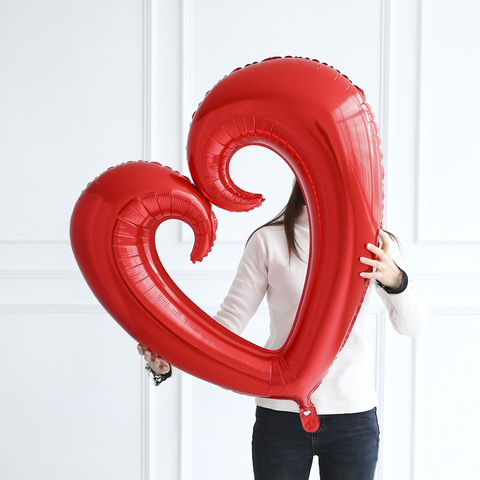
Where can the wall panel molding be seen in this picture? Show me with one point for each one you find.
(149, 153)
(54, 309)
(186, 99)
(384, 113)
(185, 422)
(426, 231)
(422, 154)
(378, 327)
(149, 54)
(441, 350)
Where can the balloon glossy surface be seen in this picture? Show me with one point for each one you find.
(320, 124)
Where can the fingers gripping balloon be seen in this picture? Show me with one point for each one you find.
(319, 123)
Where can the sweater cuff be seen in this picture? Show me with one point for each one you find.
(157, 378)
(400, 288)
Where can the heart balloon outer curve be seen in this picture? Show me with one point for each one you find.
(320, 124)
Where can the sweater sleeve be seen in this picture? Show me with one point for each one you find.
(248, 287)
(406, 310)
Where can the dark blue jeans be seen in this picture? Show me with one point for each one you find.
(346, 445)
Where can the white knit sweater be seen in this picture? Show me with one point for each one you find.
(265, 268)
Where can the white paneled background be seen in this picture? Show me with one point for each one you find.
(88, 84)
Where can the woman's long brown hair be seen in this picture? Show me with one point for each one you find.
(287, 218)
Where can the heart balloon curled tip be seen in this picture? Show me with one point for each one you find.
(287, 57)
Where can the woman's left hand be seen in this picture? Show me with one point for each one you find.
(385, 270)
(157, 364)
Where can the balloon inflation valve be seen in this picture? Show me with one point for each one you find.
(309, 418)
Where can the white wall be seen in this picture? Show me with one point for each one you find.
(86, 85)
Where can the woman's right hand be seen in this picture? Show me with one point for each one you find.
(156, 363)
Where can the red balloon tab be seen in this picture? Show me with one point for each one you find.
(320, 124)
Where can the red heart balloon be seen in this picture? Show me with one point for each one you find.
(319, 122)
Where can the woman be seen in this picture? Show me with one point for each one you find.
(275, 263)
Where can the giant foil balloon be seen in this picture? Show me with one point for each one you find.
(320, 124)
